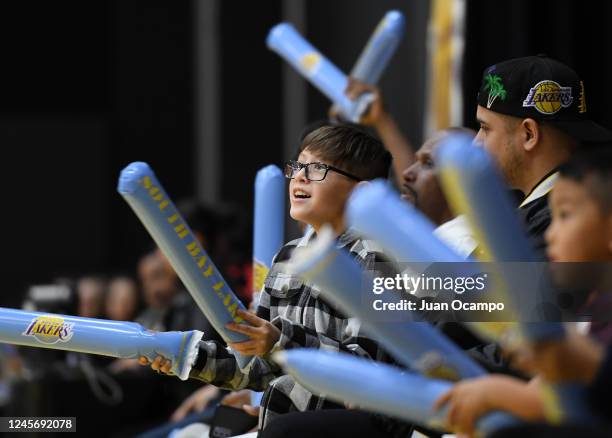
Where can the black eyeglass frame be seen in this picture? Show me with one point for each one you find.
(293, 164)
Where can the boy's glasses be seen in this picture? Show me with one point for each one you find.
(314, 171)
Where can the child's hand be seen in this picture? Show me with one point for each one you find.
(263, 335)
(159, 364)
(196, 402)
(575, 358)
(467, 401)
(241, 400)
(236, 399)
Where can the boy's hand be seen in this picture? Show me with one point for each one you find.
(263, 335)
(236, 399)
(241, 400)
(159, 364)
(196, 402)
(575, 358)
(467, 401)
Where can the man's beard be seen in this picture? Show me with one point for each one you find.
(512, 168)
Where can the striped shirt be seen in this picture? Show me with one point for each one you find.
(305, 320)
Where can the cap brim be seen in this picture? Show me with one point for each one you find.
(585, 131)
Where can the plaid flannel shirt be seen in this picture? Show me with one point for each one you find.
(305, 320)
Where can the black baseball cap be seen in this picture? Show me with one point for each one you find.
(543, 89)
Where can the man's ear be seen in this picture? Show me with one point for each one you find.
(531, 134)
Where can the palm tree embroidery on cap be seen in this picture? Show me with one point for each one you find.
(496, 89)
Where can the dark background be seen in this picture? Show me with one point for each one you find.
(88, 87)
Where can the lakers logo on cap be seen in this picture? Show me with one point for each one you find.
(548, 97)
(49, 330)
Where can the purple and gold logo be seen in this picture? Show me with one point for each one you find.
(50, 330)
(548, 97)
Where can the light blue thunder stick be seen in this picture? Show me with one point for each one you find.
(268, 230)
(143, 192)
(376, 211)
(268, 221)
(417, 345)
(125, 340)
(474, 187)
(317, 69)
(380, 48)
(377, 387)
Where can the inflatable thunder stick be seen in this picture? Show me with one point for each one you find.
(125, 340)
(268, 231)
(318, 70)
(376, 387)
(473, 186)
(143, 192)
(418, 345)
(377, 212)
(268, 223)
(380, 48)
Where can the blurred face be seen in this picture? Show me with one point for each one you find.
(498, 136)
(319, 202)
(159, 282)
(122, 300)
(91, 296)
(579, 231)
(421, 187)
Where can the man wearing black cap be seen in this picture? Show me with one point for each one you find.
(532, 112)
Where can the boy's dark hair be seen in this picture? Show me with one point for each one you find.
(349, 148)
(313, 126)
(592, 167)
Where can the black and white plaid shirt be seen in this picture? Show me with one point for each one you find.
(305, 321)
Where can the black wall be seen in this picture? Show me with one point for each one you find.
(86, 88)
(340, 30)
(575, 32)
(251, 102)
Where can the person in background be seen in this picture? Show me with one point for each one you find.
(123, 298)
(91, 293)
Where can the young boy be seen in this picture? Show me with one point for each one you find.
(331, 162)
(580, 231)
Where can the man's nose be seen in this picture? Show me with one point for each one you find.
(409, 174)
